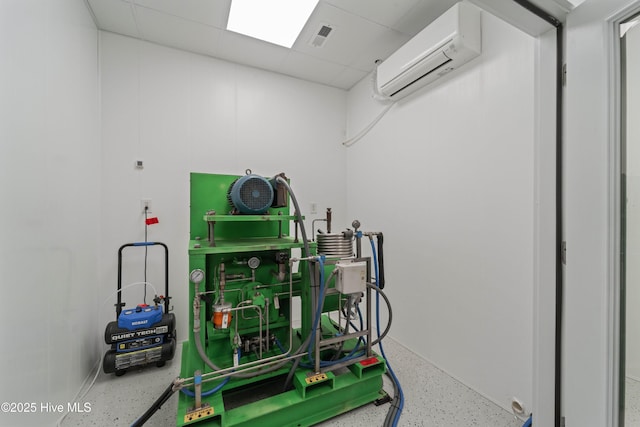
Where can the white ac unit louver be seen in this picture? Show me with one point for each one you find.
(450, 41)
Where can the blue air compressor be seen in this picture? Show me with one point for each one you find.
(142, 335)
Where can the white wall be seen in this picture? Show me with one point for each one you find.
(49, 185)
(448, 176)
(181, 112)
(544, 293)
(633, 204)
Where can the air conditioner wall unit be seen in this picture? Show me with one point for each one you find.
(450, 41)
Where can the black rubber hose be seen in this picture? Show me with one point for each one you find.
(292, 371)
(386, 300)
(393, 409)
(154, 408)
(380, 280)
(298, 213)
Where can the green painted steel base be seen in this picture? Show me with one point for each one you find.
(222, 248)
(309, 403)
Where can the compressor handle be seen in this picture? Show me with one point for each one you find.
(120, 304)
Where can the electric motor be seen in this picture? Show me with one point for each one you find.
(251, 194)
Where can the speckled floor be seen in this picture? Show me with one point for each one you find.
(432, 399)
(632, 403)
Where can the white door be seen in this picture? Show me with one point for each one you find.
(591, 221)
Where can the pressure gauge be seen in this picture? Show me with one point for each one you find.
(254, 262)
(196, 276)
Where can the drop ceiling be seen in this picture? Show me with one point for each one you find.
(362, 31)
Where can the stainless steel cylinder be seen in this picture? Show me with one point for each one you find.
(335, 245)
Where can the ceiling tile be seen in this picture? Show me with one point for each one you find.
(386, 13)
(215, 13)
(514, 14)
(421, 15)
(176, 32)
(246, 50)
(378, 48)
(309, 68)
(351, 35)
(363, 31)
(115, 16)
(348, 77)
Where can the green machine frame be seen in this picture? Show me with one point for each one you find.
(245, 363)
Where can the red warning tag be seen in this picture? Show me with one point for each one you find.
(152, 220)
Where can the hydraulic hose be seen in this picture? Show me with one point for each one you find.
(321, 295)
(303, 230)
(208, 392)
(203, 355)
(398, 399)
(213, 390)
(156, 405)
(258, 371)
(386, 300)
(307, 342)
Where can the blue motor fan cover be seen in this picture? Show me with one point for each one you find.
(251, 194)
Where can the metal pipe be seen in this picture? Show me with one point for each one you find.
(356, 225)
(268, 363)
(256, 307)
(232, 371)
(266, 309)
(349, 362)
(342, 338)
(198, 388)
(313, 227)
(368, 310)
(223, 282)
(272, 285)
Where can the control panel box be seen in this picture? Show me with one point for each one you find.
(351, 277)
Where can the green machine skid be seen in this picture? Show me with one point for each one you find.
(251, 282)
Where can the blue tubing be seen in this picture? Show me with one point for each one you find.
(208, 392)
(393, 375)
(198, 380)
(281, 347)
(529, 422)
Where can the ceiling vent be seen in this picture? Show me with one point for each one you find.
(321, 36)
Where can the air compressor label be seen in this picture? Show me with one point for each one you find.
(139, 333)
(140, 343)
(140, 357)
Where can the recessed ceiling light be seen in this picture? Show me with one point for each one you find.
(275, 21)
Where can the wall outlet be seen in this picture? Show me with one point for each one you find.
(145, 205)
